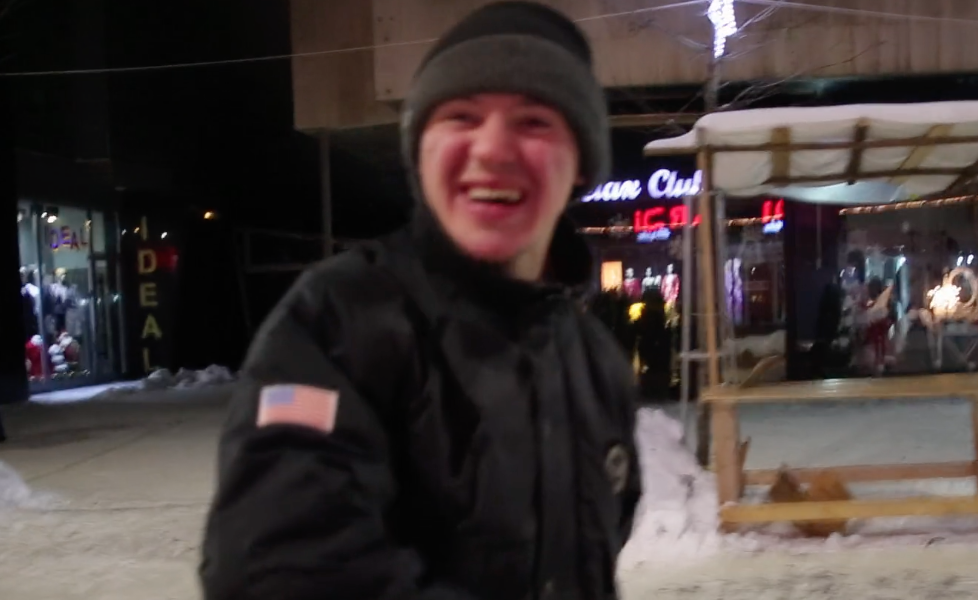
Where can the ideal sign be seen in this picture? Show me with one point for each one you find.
(664, 183)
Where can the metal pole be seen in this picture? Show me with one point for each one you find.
(686, 315)
(326, 193)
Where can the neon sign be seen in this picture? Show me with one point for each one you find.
(664, 183)
(659, 218)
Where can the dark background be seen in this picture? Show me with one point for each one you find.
(172, 143)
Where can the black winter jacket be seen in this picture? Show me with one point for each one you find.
(482, 449)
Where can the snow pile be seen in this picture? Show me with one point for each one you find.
(677, 515)
(163, 379)
(15, 493)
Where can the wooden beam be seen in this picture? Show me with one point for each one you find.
(706, 260)
(967, 174)
(848, 509)
(781, 159)
(841, 177)
(866, 145)
(856, 155)
(974, 431)
(920, 153)
(653, 119)
(922, 387)
(863, 473)
(725, 431)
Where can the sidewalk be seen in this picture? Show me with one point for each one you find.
(137, 475)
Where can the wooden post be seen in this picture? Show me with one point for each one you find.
(726, 440)
(974, 429)
(707, 263)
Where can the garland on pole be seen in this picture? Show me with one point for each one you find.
(721, 14)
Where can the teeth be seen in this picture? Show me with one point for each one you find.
(495, 195)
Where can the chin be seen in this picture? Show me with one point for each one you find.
(493, 248)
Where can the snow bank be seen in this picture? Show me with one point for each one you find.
(15, 493)
(677, 516)
(163, 379)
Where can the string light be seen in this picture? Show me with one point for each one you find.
(721, 14)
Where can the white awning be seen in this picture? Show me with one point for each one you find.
(853, 154)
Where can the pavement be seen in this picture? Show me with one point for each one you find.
(132, 479)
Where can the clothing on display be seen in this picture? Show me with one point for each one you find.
(55, 322)
(670, 286)
(649, 282)
(631, 285)
(734, 284)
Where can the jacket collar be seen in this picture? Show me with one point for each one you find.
(568, 270)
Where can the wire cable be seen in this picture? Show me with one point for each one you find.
(275, 57)
(859, 12)
(651, 9)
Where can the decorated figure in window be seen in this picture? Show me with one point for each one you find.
(670, 286)
(632, 286)
(649, 282)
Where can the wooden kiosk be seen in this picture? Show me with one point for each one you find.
(856, 154)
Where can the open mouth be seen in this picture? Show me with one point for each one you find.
(495, 195)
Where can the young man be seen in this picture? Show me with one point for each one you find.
(431, 416)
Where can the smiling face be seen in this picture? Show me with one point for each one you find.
(497, 170)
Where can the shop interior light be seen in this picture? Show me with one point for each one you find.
(163, 236)
(210, 215)
(50, 214)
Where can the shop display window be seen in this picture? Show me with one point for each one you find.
(60, 249)
(906, 290)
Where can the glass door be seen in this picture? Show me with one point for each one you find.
(106, 316)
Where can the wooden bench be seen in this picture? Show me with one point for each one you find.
(732, 477)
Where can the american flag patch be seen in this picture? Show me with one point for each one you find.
(301, 405)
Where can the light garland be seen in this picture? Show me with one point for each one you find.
(944, 300)
(909, 205)
(721, 14)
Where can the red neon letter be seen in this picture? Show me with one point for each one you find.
(773, 210)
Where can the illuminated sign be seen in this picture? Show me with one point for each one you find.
(664, 183)
(660, 219)
(66, 238)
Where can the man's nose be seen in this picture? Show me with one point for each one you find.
(494, 141)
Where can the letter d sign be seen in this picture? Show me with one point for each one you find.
(147, 261)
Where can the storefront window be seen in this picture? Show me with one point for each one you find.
(63, 258)
(908, 283)
(30, 278)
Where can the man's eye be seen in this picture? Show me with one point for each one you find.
(464, 117)
(536, 123)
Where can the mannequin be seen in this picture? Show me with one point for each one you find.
(735, 290)
(670, 286)
(631, 286)
(648, 283)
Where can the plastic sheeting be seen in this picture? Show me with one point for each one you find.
(747, 173)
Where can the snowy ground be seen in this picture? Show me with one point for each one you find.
(114, 492)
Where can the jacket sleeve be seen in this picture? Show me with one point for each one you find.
(300, 513)
(632, 493)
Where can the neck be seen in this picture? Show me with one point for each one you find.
(529, 266)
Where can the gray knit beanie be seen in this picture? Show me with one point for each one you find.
(514, 47)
